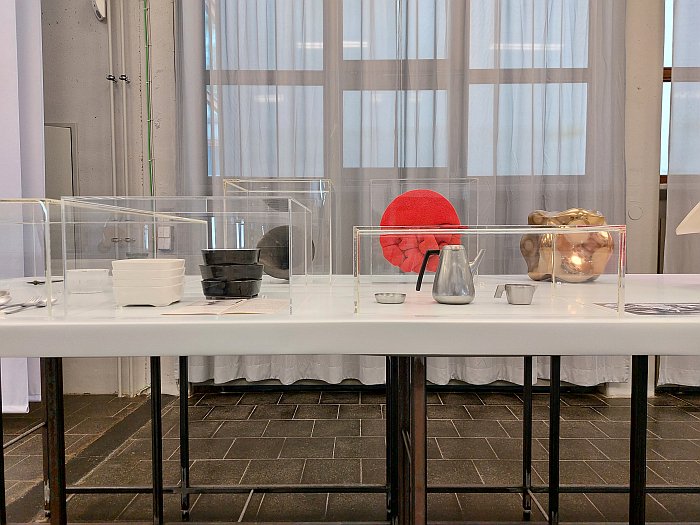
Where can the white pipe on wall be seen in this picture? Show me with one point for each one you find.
(110, 76)
(125, 79)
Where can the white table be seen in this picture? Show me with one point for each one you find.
(323, 322)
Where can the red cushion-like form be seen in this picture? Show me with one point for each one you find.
(418, 208)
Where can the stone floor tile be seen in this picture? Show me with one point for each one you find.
(292, 507)
(540, 429)
(441, 428)
(673, 413)
(140, 508)
(273, 471)
(613, 429)
(97, 507)
(443, 507)
(489, 398)
(465, 448)
(335, 398)
(570, 473)
(360, 447)
(219, 399)
(587, 400)
(345, 471)
(614, 413)
(668, 400)
(579, 429)
(677, 472)
(679, 507)
(574, 508)
(273, 412)
(28, 469)
(509, 448)
(447, 412)
(451, 472)
(373, 471)
(92, 425)
(218, 471)
(141, 448)
(673, 430)
(492, 507)
(317, 412)
(314, 447)
(576, 449)
(433, 450)
(356, 507)
(539, 413)
(618, 472)
(499, 471)
(260, 398)
(233, 429)
(479, 428)
(219, 507)
(300, 398)
(228, 412)
(196, 429)
(491, 412)
(332, 428)
(460, 398)
(674, 449)
(359, 411)
(286, 428)
(372, 427)
(29, 446)
(581, 413)
(214, 448)
(372, 398)
(255, 448)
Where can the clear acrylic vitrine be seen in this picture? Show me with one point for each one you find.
(575, 270)
(316, 195)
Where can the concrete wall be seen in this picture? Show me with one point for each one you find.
(76, 91)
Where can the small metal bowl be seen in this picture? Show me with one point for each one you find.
(390, 298)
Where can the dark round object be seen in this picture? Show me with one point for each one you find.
(274, 252)
(231, 289)
(231, 256)
(231, 272)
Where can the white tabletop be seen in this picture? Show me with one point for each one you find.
(568, 322)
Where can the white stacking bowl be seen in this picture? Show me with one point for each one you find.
(154, 282)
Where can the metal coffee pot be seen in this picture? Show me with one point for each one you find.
(454, 278)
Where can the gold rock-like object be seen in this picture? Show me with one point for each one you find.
(577, 257)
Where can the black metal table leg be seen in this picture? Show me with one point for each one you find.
(638, 440)
(403, 486)
(3, 509)
(393, 437)
(156, 442)
(527, 438)
(419, 443)
(52, 390)
(184, 438)
(554, 404)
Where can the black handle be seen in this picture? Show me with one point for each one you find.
(422, 266)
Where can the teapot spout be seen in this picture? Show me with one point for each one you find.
(474, 265)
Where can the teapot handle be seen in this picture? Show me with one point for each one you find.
(422, 266)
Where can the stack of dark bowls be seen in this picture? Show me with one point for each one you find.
(231, 274)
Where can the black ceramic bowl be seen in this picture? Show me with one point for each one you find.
(231, 289)
(232, 256)
(231, 272)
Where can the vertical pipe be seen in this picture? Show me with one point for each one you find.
(110, 75)
(554, 403)
(184, 438)
(156, 442)
(52, 389)
(527, 438)
(149, 108)
(419, 442)
(124, 77)
(638, 440)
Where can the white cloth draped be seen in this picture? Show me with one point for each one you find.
(513, 93)
(682, 253)
(21, 160)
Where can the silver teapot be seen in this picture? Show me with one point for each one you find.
(454, 277)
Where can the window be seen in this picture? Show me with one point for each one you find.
(307, 88)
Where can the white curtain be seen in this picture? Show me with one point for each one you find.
(682, 253)
(525, 95)
(21, 158)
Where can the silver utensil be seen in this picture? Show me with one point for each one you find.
(516, 293)
(34, 302)
(390, 298)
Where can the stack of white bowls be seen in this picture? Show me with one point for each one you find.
(155, 282)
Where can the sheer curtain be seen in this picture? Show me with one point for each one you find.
(525, 95)
(682, 253)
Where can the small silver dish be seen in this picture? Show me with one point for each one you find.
(390, 298)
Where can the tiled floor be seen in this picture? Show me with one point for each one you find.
(338, 437)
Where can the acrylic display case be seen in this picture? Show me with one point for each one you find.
(315, 194)
(181, 227)
(576, 270)
(31, 267)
